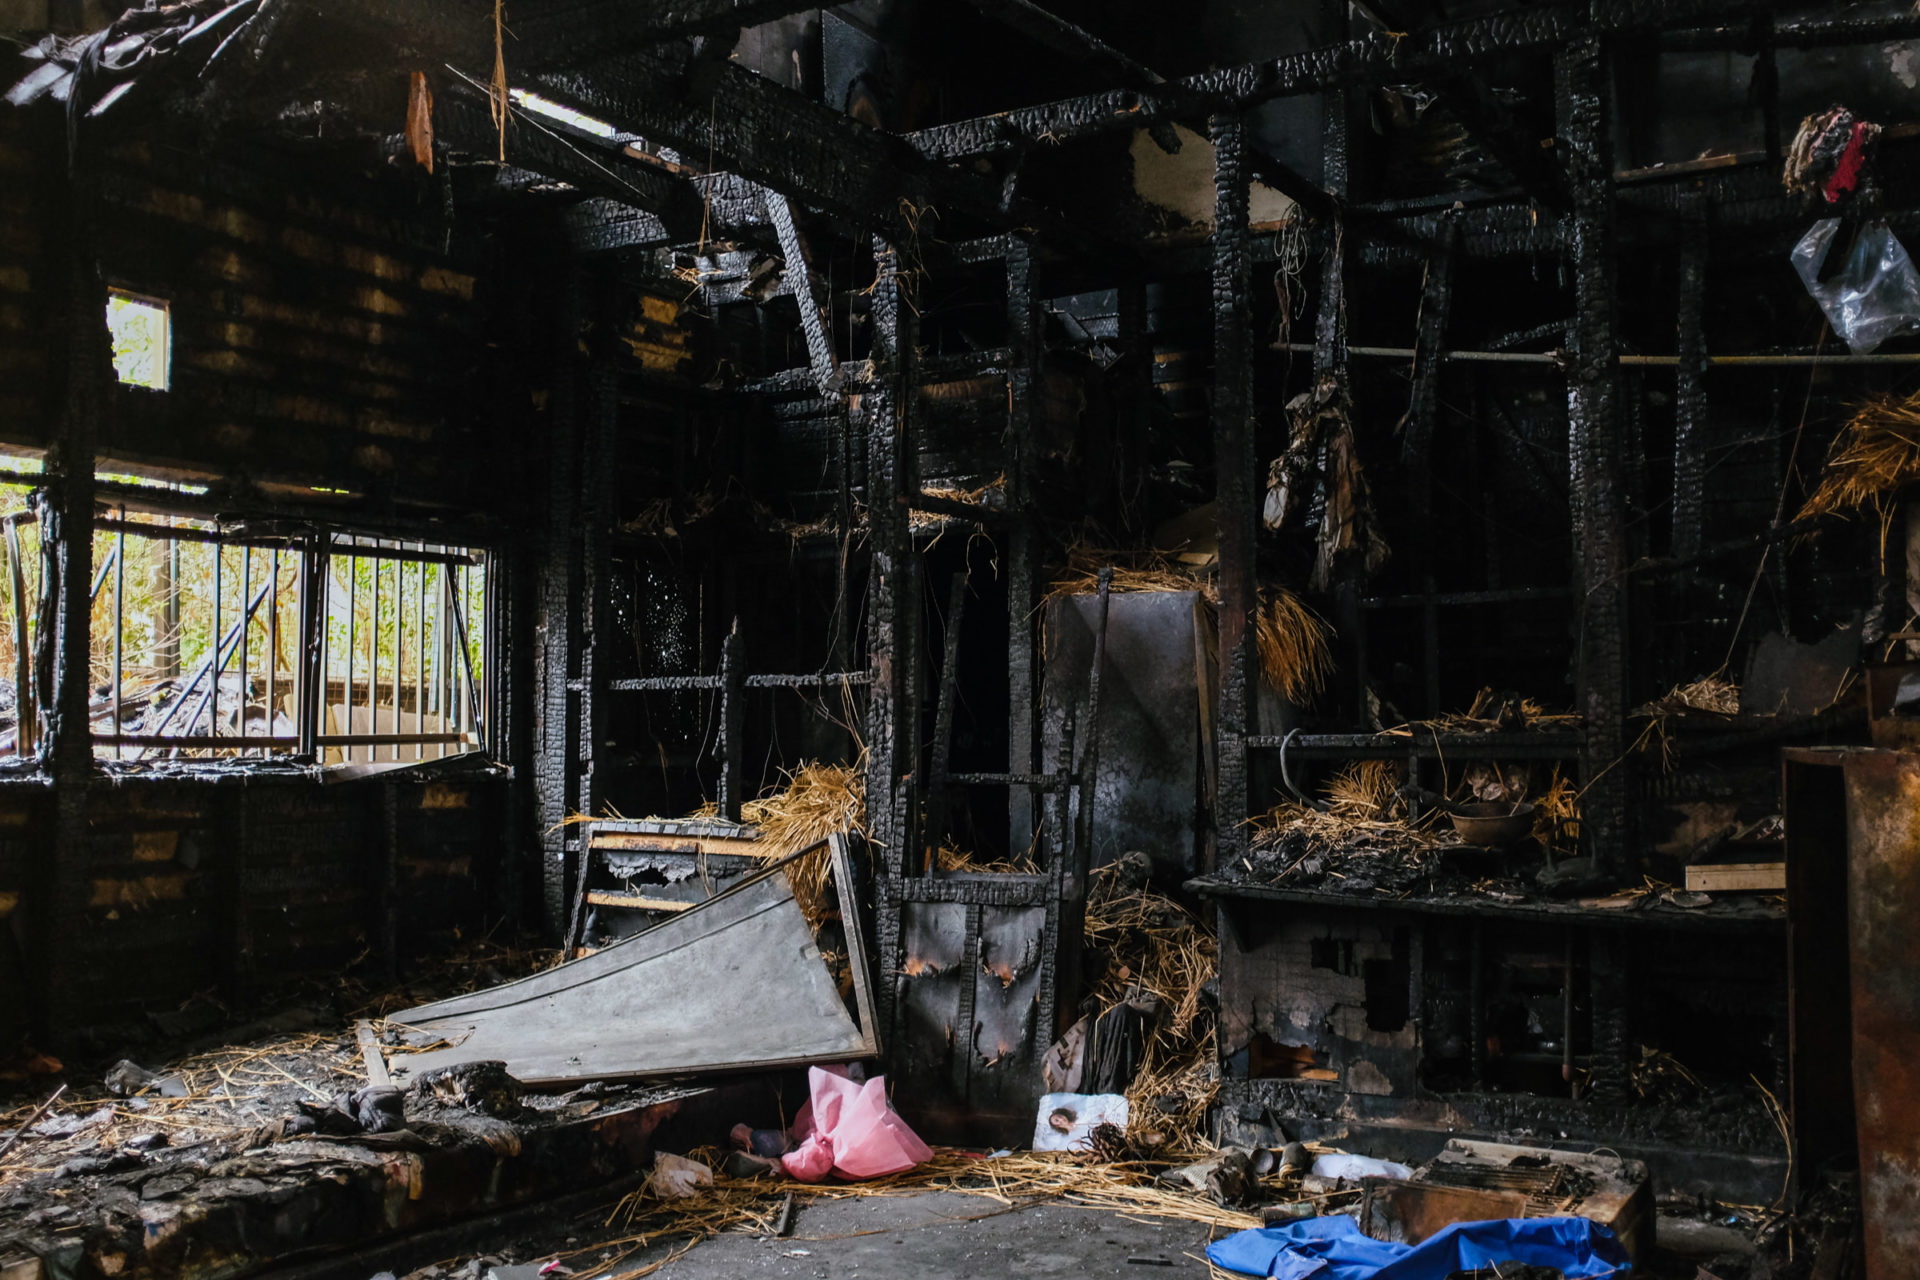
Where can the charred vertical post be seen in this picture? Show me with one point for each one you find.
(1593, 420)
(595, 505)
(1233, 478)
(1416, 440)
(892, 594)
(733, 722)
(1023, 404)
(1690, 403)
(554, 658)
(66, 533)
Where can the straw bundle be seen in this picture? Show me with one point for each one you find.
(1713, 693)
(1876, 455)
(924, 521)
(1294, 645)
(817, 800)
(1554, 809)
(1157, 947)
(949, 857)
(1138, 569)
(1365, 790)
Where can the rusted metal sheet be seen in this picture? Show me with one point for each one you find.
(1409, 1212)
(1883, 890)
(735, 982)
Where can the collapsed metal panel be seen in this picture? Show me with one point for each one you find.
(736, 982)
(1883, 892)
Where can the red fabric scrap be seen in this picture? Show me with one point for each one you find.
(1846, 174)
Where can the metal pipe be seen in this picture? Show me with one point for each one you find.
(213, 701)
(246, 625)
(353, 637)
(420, 663)
(399, 643)
(1654, 361)
(119, 623)
(373, 659)
(273, 640)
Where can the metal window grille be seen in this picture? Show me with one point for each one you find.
(220, 643)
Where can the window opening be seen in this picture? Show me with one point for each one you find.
(404, 651)
(198, 649)
(142, 333)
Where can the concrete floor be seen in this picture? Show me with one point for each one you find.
(941, 1234)
(945, 1234)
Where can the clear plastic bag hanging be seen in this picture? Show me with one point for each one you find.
(1875, 295)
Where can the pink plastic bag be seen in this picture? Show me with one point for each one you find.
(850, 1130)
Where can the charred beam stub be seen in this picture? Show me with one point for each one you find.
(1233, 476)
(1593, 415)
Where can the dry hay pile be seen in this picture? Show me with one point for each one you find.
(1875, 456)
(1293, 643)
(1556, 813)
(1714, 694)
(1492, 711)
(928, 521)
(817, 801)
(1157, 947)
(1367, 791)
(950, 857)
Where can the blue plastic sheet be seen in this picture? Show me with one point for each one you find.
(1332, 1248)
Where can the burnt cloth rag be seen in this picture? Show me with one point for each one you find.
(1332, 1248)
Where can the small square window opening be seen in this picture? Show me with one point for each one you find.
(142, 337)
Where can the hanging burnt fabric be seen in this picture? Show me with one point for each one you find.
(735, 982)
(1830, 154)
(420, 121)
(1322, 461)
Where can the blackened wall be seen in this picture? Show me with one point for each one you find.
(336, 351)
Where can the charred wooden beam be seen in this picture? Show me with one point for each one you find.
(1233, 462)
(1690, 398)
(461, 119)
(1594, 447)
(1024, 408)
(554, 724)
(1436, 52)
(815, 320)
(770, 135)
(1416, 441)
(1044, 27)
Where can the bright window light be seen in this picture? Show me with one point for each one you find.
(565, 115)
(141, 331)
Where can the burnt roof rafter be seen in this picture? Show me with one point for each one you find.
(1443, 50)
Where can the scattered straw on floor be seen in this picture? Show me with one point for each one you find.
(1007, 1183)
